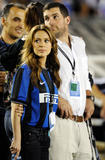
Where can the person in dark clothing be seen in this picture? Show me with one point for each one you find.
(12, 29)
(35, 87)
(10, 56)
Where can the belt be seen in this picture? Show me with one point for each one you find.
(78, 118)
(74, 118)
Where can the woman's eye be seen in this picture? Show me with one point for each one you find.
(37, 41)
(46, 40)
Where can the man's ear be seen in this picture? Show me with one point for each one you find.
(68, 19)
(3, 21)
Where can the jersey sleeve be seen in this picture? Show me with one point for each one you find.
(21, 87)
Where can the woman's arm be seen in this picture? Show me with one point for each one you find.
(16, 125)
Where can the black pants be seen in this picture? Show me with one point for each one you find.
(4, 142)
(35, 144)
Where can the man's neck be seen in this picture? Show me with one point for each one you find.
(66, 39)
(7, 39)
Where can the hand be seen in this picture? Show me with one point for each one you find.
(89, 109)
(15, 148)
(19, 110)
(65, 108)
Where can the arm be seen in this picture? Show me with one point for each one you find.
(16, 125)
(89, 109)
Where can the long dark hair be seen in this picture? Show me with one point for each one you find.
(33, 15)
(52, 62)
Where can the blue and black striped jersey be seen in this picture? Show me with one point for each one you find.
(37, 102)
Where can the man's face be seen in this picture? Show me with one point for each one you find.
(55, 21)
(13, 24)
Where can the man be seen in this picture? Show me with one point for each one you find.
(12, 23)
(12, 26)
(12, 29)
(58, 21)
(70, 138)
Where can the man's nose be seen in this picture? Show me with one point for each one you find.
(51, 21)
(21, 24)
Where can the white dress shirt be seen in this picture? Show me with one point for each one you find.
(76, 52)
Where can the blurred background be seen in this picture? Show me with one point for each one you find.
(88, 22)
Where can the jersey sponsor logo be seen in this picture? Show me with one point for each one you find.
(48, 98)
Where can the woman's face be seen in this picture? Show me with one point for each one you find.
(41, 44)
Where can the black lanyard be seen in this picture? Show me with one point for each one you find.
(72, 65)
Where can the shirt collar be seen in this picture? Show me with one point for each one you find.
(3, 43)
(64, 43)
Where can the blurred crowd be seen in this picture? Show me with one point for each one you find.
(78, 7)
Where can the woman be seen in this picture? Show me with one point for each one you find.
(11, 58)
(35, 87)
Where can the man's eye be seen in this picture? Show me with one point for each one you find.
(46, 18)
(16, 19)
(55, 17)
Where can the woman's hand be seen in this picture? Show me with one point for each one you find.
(15, 148)
(16, 125)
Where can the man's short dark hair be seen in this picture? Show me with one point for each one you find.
(7, 8)
(61, 7)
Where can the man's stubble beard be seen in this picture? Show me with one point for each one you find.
(14, 37)
(60, 33)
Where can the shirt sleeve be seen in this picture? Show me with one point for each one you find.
(21, 87)
(86, 71)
